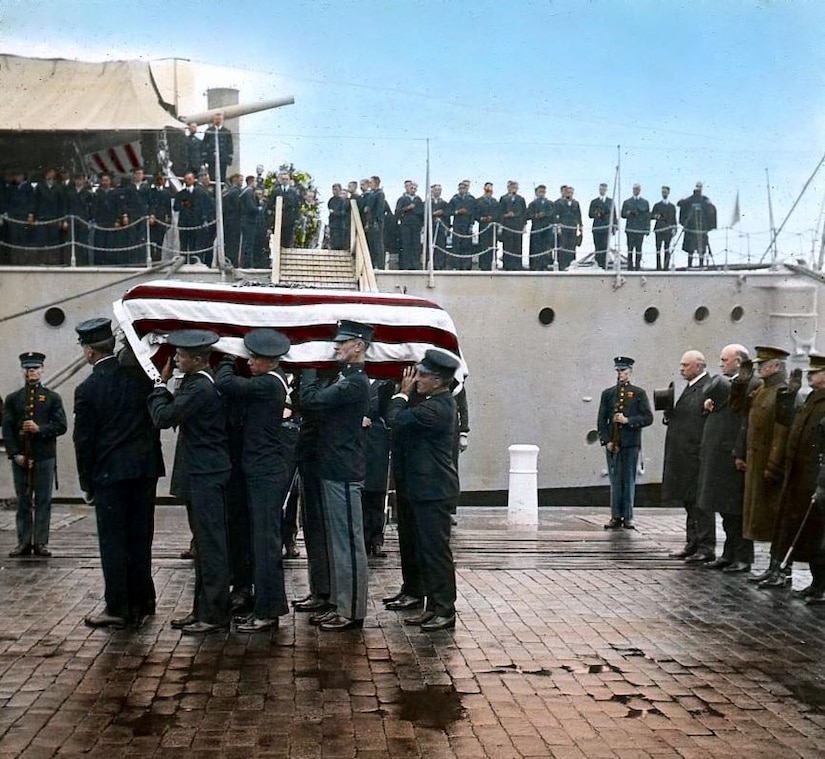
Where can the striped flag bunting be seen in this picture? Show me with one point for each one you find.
(405, 325)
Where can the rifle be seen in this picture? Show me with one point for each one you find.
(27, 444)
(618, 408)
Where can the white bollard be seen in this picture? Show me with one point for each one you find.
(523, 494)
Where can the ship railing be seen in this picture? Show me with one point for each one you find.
(364, 272)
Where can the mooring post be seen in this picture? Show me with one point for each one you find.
(523, 495)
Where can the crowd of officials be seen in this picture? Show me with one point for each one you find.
(743, 444)
(249, 437)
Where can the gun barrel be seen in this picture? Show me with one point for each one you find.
(235, 111)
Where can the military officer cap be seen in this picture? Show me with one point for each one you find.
(32, 359)
(663, 399)
(623, 362)
(94, 330)
(816, 363)
(195, 340)
(265, 342)
(349, 330)
(766, 353)
(438, 362)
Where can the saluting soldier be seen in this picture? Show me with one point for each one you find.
(430, 482)
(200, 473)
(266, 464)
(623, 411)
(118, 464)
(32, 421)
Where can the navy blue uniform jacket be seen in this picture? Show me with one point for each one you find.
(342, 407)
(636, 409)
(427, 428)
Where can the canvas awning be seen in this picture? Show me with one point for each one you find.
(58, 95)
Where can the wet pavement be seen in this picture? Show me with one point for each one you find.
(571, 643)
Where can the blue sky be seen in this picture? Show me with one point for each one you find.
(542, 92)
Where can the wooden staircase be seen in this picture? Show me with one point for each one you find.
(318, 268)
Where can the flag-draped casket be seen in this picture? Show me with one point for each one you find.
(405, 326)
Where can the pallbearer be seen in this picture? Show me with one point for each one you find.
(118, 465)
(623, 411)
(266, 463)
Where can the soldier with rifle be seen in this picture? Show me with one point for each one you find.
(623, 411)
(34, 418)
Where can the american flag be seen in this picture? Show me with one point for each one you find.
(118, 159)
(405, 326)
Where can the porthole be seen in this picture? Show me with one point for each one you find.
(651, 314)
(546, 316)
(701, 313)
(54, 316)
(592, 437)
(736, 314)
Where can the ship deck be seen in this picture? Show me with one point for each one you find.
(571, 642)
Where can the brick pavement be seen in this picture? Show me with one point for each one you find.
(571, 643)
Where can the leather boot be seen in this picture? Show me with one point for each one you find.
(773, 567)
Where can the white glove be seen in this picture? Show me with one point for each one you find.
(463, 442)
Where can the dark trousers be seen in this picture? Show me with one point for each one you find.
(375, 242)
(432, 531)
(411, 580)
(462, 258)
(372, 507)
(207, 503)
(125, 514)
(190, 240)
(700, 529)
(541, 249)
(567, 248)
(439, 246)
(315, 530)
(232, 239)
(601, 241)
(621, 469)
(339, 237)
(486, 246)
(238, 533)
(410, 246)
(634, 250)
(157, 233)
(265, 495)
(737, 548)
(33, 528)
(345, 543)
(511, 242)
(663, 250)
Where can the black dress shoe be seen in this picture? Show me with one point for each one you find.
(255, 625)
(762, 576)
(817, 598)
(314, 605)
(419, 619)
(737, 566)
(180, 622)
(41, 550)
(202, 628)
(614, 524)
(378, 552)
(719, 563)
(439, 623)
(683, 554)
(777, 580)
(629, 524)
(319, 619)
(104, 619)
(699, 558)
(339, 624)
(811, 590)
(387, 599)
(20, 550)
(302, 599)
(405, 602)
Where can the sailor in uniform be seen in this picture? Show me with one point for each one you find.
(623, 411)
(201, 472)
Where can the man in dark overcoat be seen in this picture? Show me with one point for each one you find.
(604, 224)
(636, 211)
(409, 215)
(118, 464)
(569, 220)
(680, 478)
(697, 215)
(488, 213)
(542, 214)
(192, 204)
(623, 411)
(266, 464)
(663, 214)
(463, 211)
(512, 209)
(431, 478)
(290, 210)
(339, 225)
(721, 484)
(217, 133)
(201, 472)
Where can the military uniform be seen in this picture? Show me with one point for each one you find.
(409, 214)
(626, 439)
(488, 214)
(441, 224)
(192, 205)
(33, 477)
(697, 215)
(542, 212)
(569, 219)
(118, 464)
(512, 229)
(636, 210)
(266, 464)
(463, 211)
(339, 225)
(223, 136)
(289, 214)
(664, 227)
(601, 211)
(200, 476)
